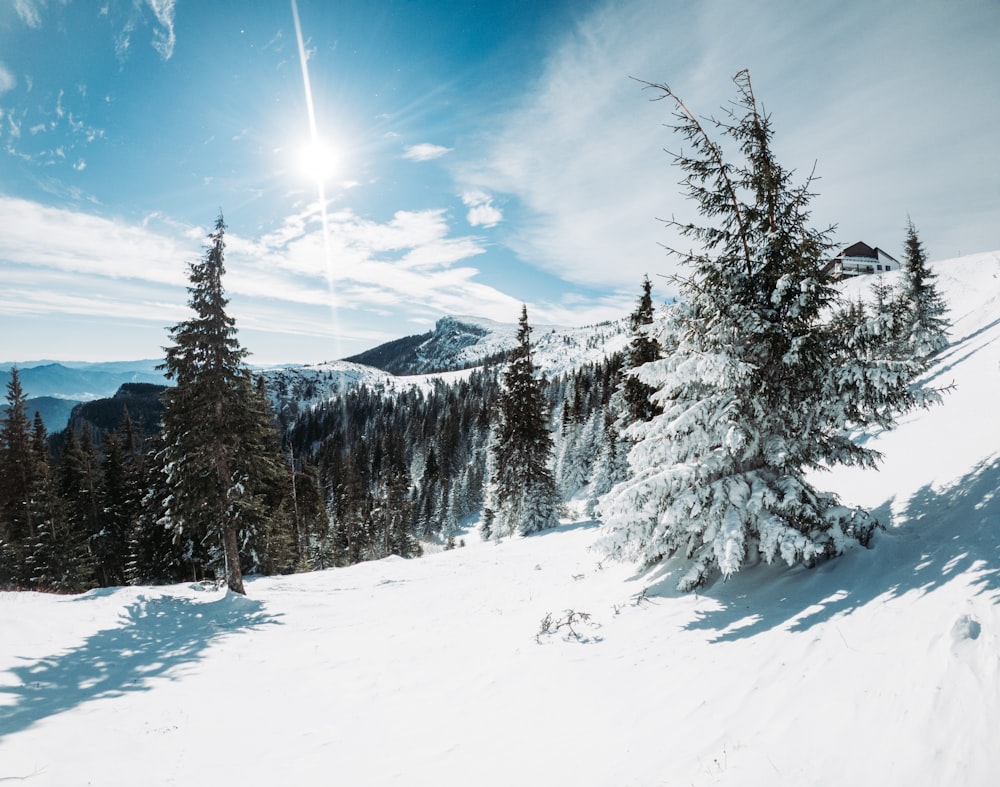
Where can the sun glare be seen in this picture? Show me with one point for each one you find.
(318, 161)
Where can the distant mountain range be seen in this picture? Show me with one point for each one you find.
(80, 381)
(54, 388)
(456, 344)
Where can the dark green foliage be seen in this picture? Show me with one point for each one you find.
(141, 403)
(155, 555)
(395, 357)
(525, 499)
(924, 313)
(643, 348)
(395, 468)
(17, 466)
(220, 449)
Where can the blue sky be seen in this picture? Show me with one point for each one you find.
(478, 155)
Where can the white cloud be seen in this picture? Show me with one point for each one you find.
(484, 216)
(42, 237)
(410, 262)
(482, 211)
(165, 38)
(7, 80)
(123, 42)
(30, 11)
(425, 152)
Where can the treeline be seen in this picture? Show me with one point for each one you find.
(367, 474)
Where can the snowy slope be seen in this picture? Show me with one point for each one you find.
(879, 668)
(555, 349)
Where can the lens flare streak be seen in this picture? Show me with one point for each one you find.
(320, 181)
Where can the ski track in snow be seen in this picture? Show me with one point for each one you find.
(880, 667)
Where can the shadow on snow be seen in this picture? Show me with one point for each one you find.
(567, 527)
(942, 534)
(155, 638)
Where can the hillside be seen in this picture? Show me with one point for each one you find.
(534, 662)
(464, 342)
(54, 410)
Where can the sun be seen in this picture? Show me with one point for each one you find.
(318, 161)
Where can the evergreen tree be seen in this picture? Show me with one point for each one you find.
(17, 529)
(925, 326)
(80, 481)
(59, 560)
(220, 448)
(610, 463)
(644, 348)
(158, 554)
(110, 543)
(524, 492)
(760, 388)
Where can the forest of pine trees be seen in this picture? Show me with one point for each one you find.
(693, 442)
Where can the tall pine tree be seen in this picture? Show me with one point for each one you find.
(220, 448)
(17, 528)
(760, 388)
(524, 491)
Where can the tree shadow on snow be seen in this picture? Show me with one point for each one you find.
(941, 535)
(156, 638)
(567, 527)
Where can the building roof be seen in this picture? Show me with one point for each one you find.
(860, 249)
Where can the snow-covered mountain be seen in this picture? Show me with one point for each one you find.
(453, 348)
(461, 342)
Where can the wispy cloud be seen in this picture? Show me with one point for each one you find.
(425, 151)
(60, 261)
(30, 11)
(43, 237)
(164, 37)
(577, 155)
(123, 41)
(7, 80)
(409, 262)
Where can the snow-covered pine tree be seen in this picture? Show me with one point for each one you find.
(642, 349)
(925, 327)
(610, 462)
(759, 388)
(157, 555)
(524, 493)
(573, 459)
(220, 449)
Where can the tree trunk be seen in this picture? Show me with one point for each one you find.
(234, 576)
